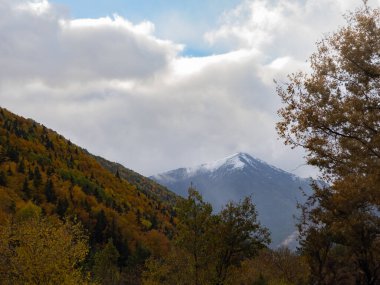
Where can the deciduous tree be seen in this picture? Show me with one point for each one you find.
(238, 235)
(38, 250)
(208, 245)
(334, 114)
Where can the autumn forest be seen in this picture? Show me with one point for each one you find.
(69, 217)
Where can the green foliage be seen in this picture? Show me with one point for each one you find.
(208, 245)
(173, 269)
(260, 281)
(105, 269)
(148, 187)
(238, 236)
(29, 211)
(277, 267)
(194, 232)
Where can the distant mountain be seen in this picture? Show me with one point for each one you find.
(275, 192)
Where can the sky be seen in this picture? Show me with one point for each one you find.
(161, 84)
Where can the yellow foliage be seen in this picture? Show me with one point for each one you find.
(37, 250)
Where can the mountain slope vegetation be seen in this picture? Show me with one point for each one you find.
(148, 186)
(40, 166)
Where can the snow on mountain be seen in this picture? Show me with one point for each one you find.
(235, 162)
(275, 191)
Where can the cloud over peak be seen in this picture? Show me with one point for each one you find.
(117, 89)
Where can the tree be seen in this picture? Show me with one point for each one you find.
(3, 178)
(105, 267)
(280, 266)
(195, 218)
(238, 236)
(100, 226)
(39, 250)
(208, 245)
(340, 236)
(21, 166)
(3, 155)
(170, 270)
(49, 192)
(117, 175)
(62, 207)
(25, 188)
(13, 154)
(334, 114)
(37, 178)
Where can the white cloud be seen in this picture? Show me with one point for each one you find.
(38, 7)
(116, 89)
(280, 27)
(45, 46)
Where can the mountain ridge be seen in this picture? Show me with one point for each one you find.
(238, 160)
(275, 191)
(40, 166)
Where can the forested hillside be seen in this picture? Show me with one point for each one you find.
(148, 186)
(40, 166)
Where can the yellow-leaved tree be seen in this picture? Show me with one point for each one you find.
(40, 250)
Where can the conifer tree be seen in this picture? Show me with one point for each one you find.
(3, 178)
(106, 270)
(37, 178)
(21, 166)
(49, 192)
(25, 188)
(101, 224)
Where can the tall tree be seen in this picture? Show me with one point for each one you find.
(195, 218)
(105, 267)
(37, 178)
(50, 192)
(334, 114)
(100, 226)
(208, 245)
(238, 236)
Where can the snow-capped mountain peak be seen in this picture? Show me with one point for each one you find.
(236, 161)
(275, 191)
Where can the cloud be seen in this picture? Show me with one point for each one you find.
(118, 90)
(39, 43)
(279, 27)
